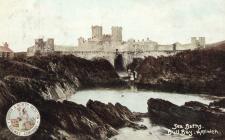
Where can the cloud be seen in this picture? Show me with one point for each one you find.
(161, 20)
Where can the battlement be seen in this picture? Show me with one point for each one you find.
(116, 34)
(98, 38)
(96, 32)
(200, 42)
(41, 46)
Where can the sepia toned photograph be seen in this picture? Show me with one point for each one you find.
(112, 70)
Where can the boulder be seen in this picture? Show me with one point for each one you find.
(218, 103)
(116, 115)
(197, 71)
(192, 113)
(44, 81)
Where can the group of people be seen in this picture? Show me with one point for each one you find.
(132, 75)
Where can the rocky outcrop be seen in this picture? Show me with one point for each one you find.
(76, 120)
(68, 120)
(218, 103)
(46, 80)
(117, 116)
(191, 114)
(135, 64)
(216, 46)
(55, 77)
(198, 71)
(6, 100)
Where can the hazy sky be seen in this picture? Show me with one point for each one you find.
(165, 21)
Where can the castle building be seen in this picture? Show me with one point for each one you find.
(200, 42)
(97, 32)
(116, 34)
(5, 51)
(41, 47)
(98, 38)
(111, 46)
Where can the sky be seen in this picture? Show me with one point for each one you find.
(164, 21)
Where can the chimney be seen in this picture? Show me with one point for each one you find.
(6, 45)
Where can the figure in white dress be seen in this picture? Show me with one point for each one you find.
(24, 118)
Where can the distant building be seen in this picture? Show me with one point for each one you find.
(96, 32)
(113, 48)
(5, 51)
(41, 47)
(116, 34)
(98, 38)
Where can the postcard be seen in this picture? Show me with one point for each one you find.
(112, 70)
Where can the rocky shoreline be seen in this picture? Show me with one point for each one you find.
(198, 71)
(193, 118)
(68, 120)
(44, 80)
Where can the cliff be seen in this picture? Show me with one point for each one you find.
(43, 81)
(198, 71)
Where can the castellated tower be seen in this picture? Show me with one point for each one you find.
(96, 32)
(50, 44)
(202, 41)
(198, 43)
(194, 40)
(116, 34)
(81, 41)
(39, 43)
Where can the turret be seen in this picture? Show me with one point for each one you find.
(194, 40)
(81, 41)
(6, 45)
(96, 32)
(39, 43)
(50, 44)
(201, 41)
(116, 34)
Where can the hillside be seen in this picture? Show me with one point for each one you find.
(216, 46)
(198, 71)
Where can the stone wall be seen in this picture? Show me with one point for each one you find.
(129, 50)
(128, 56)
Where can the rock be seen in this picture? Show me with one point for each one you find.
(141, 115)
(55, 77)
(196, 105)
(197, 71)
(67, 120)
(74, 119)
(219, 103)
(168, 114)
(116, 115)
(135, 64)
(6, 100)
(44, 81)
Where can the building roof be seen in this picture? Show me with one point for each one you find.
(5, 49)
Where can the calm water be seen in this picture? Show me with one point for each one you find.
(134, 100)
(137, 101)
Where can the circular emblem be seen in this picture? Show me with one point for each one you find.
(23, 119)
